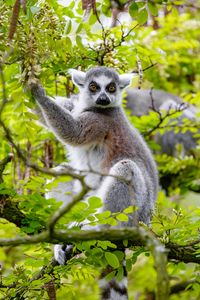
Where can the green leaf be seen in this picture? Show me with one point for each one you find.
(120, 274)
(103, 215)
(125, 243)
(68, 43)
(128, 265)
(109, 221)
(30, 115)
(92, 19)
(91, 218)
(136, 254)
(119, 254)
(69, 27)
(142, 16)
(79, 42)
(129, 209)
(80, 26)
(105, 244)
(122, 217)
(95, 202)
(153, 8)
(112, 260)
(88, 244)
(110, 276)
(133, 10)
(34, 262)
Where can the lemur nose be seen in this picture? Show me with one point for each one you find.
(103, 100)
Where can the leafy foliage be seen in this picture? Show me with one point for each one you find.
(49, 39)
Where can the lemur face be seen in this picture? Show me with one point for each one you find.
(101, 86)
(103, 91)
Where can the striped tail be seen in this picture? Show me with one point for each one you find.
(113, 289)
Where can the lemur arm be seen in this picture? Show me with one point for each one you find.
(66, 103)
(69, 130)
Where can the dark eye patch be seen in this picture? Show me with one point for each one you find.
(94, 87)
(111, 87)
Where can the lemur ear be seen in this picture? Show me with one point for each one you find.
(78, 77)
(125, 79)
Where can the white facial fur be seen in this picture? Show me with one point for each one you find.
(89, 99)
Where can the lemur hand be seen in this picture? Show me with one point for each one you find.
(37, 90)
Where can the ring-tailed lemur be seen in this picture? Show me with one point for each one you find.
(99, 137)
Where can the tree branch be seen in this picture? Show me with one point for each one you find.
(4, 101)
(181, 286)
(3, 164)
(185, 253)
(161, 117)
(137, 236)
(9, 210)
(14, 19)
(66, 208)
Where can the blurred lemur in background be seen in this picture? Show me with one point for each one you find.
(99, 138)
(140, 102)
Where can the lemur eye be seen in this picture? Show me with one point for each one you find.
(111, 88)
(93, 87)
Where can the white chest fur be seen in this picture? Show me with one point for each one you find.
(88, 158)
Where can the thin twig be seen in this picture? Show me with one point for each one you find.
(161, 117)
(3, 89)
(67, 207)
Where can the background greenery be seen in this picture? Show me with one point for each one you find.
(44, 41)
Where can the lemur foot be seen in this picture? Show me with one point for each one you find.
(62, 253)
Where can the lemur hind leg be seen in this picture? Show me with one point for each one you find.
(124, 187)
